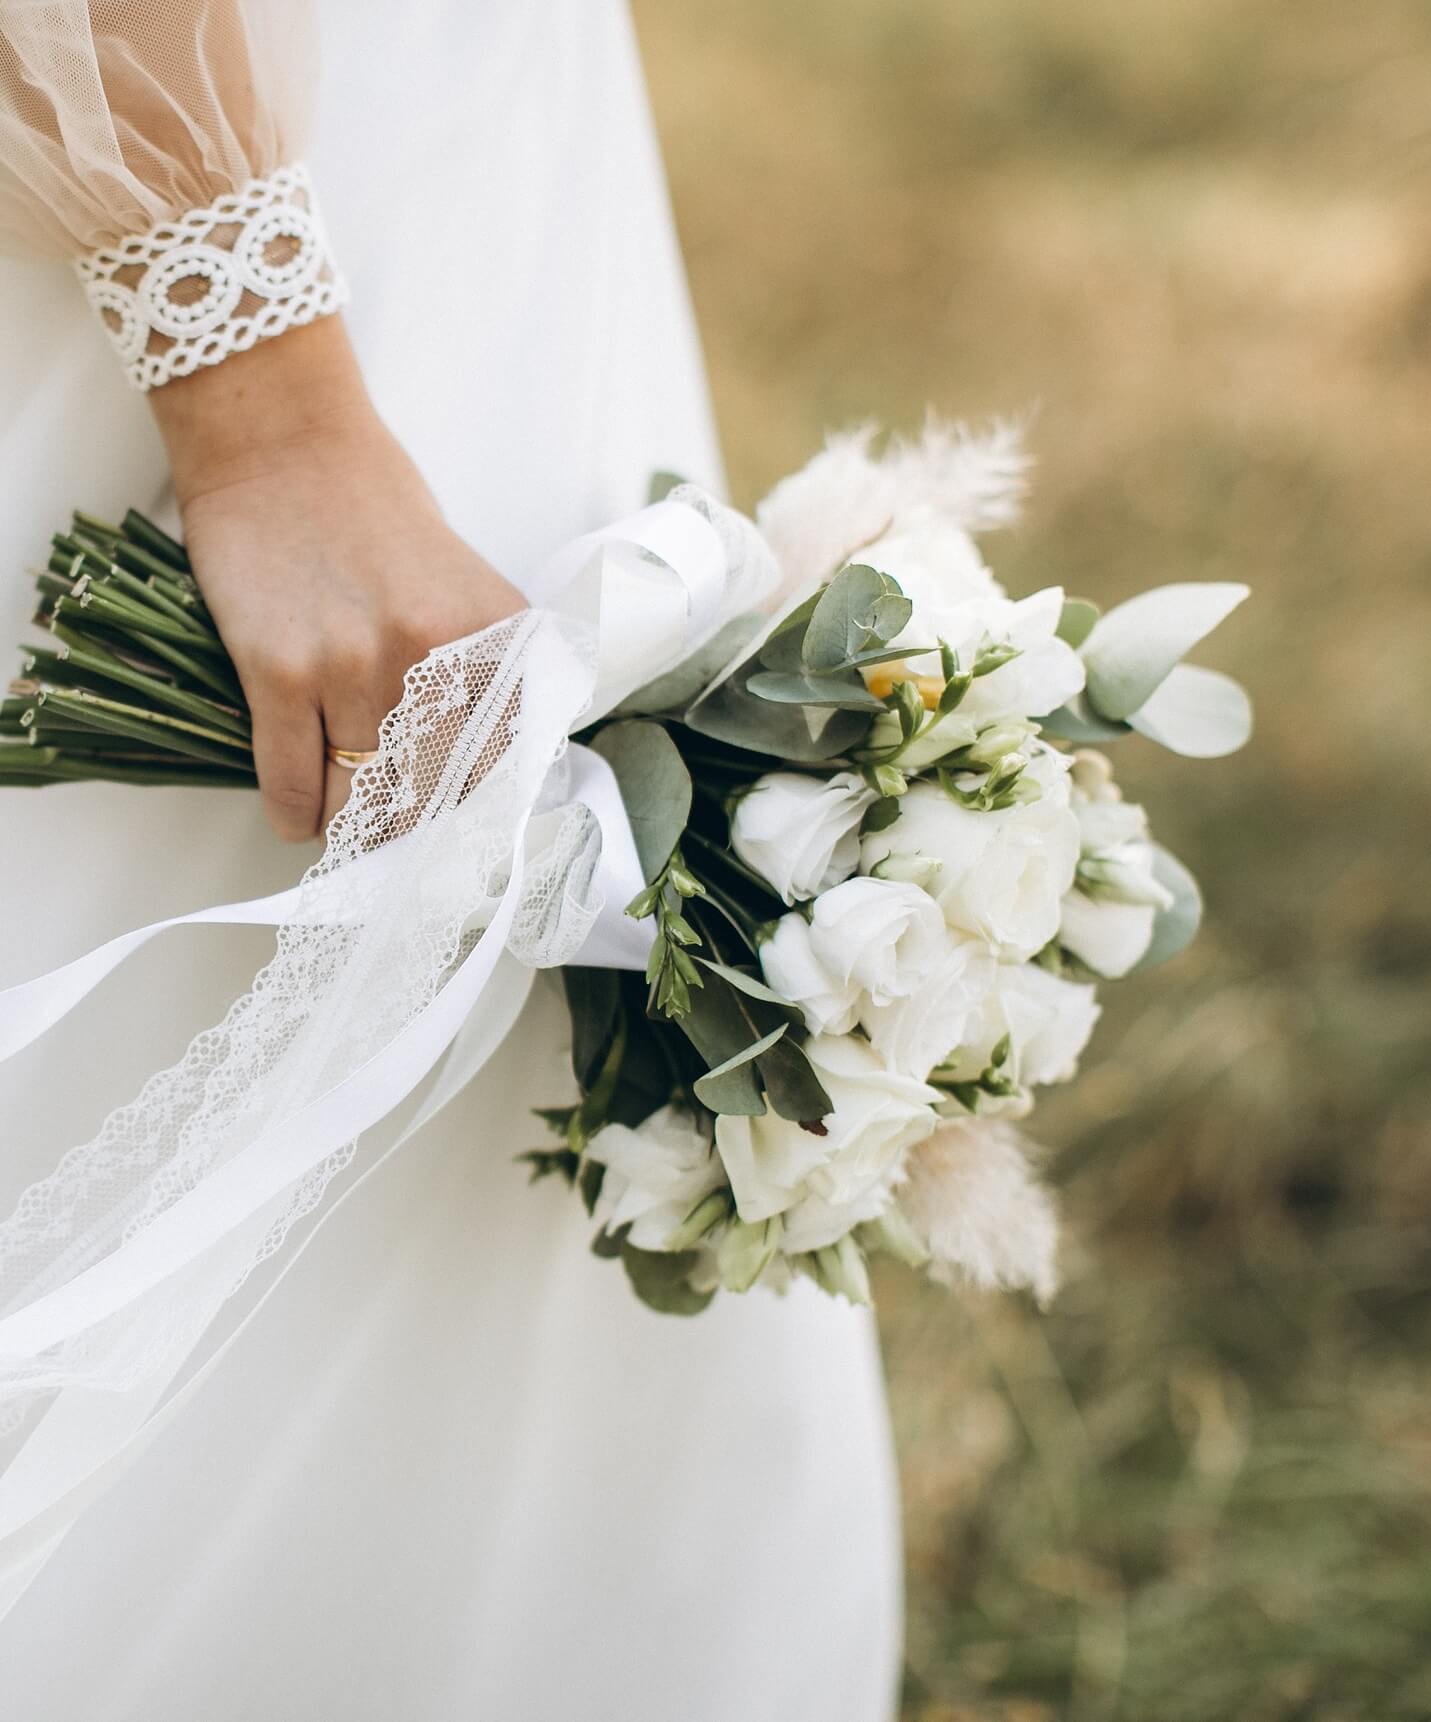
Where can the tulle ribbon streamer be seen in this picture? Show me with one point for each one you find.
(104, 1323)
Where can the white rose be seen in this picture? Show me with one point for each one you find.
(1108, 917)
(950, 1010)
(1002, 875)
(773, 1163)
(866, 939)
(655, 1174)
(801, 833)
(830, 1003)
(878, 933)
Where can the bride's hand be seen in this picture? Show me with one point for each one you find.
(322, 555)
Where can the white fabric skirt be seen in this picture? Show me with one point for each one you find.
(452, 1469)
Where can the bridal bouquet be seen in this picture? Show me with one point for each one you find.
(884, 871)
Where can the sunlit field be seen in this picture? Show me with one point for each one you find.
(1192, 239)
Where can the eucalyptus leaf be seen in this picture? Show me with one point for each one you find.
(655, 787)
(723, 1083)
(1200, 713)
(842, 693)
(752, 988)
(662, 1279)
(1077, 721)
(791, 1086)
(1173, 927)
(661, 486)
(1076, 622)
(675, 690)
(593, 998)
(1131, 650)
(719, 1030)
(859, 611)
(800, 734)
(782, 647)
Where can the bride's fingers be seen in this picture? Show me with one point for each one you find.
(352, 713)
(288, 755)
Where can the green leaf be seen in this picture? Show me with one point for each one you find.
(1130, 651)
(674, 691)
(791, 1086)
(892, 655)
(550, 1162)
(1077, 721)
(1174, 927)
(593, 998)
(655, 786)
(1200, 713)
(589, 1182)
(882, 814)
(804, 735)
(661, 486)
(718, 1029)
(846, 693)
(661, 1279)
(1076, 622)
(724, 1083)
(860, 610)
(781, 649)
(608, 1245)
(752, 988)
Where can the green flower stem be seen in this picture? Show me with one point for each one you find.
(139, 529)
(119, 610)
(106, 666)
(734, 862)
(25, 767)
(156, 728)
(213, 677)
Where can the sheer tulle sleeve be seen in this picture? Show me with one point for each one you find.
(156, 142)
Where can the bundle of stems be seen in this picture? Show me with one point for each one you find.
(133, 684)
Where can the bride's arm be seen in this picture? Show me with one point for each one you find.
(132, 136)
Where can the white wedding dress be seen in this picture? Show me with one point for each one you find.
(452, 1469)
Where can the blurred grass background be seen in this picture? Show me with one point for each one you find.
(1195, 234)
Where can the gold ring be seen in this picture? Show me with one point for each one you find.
(349, 758)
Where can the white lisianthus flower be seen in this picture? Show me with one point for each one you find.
(774, 1164)
(1044, 673)
(801, 833)
(1001, 875)
(953, 1008)
(938, 739)
(866, 940)
(1108, 917)
(655, 1175)
(973, 1202)
(1048, 1020)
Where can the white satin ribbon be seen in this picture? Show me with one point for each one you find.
(654, 587)
(32, 1007)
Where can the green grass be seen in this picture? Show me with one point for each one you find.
(1193, 232)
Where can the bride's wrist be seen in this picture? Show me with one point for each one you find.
(235, 421)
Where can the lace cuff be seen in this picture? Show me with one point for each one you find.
(216, 281)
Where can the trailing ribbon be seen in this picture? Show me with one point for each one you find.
(108, 1316)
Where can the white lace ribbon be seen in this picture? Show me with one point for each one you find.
(474, 815)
